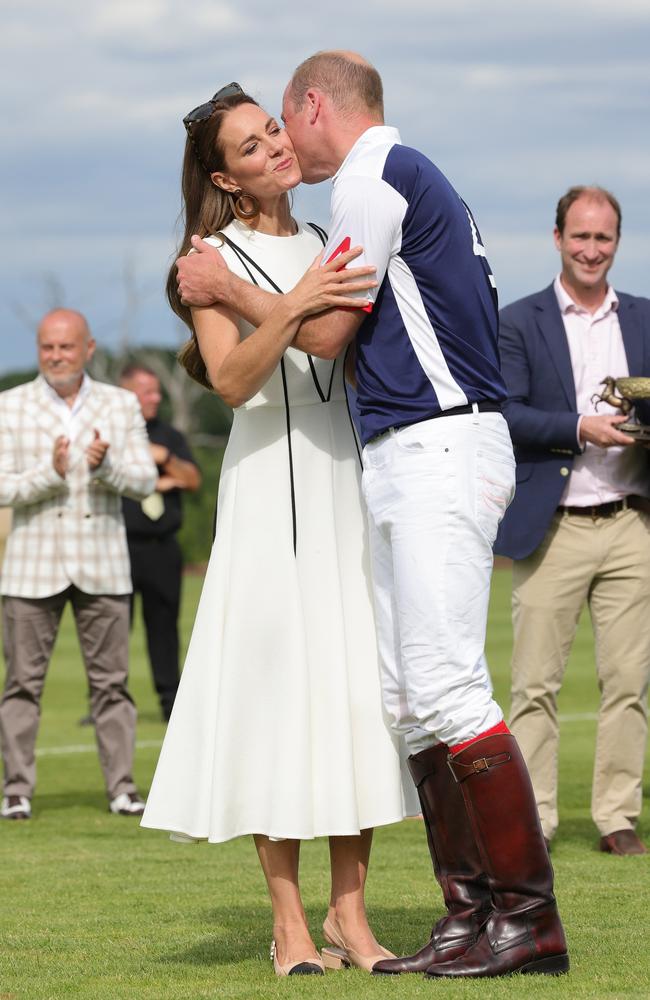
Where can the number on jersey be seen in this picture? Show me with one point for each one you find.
(477, 246)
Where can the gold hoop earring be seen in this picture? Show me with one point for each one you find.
(244, 206)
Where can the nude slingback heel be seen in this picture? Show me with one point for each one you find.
(338, 955)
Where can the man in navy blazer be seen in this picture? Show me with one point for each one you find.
(578, 528)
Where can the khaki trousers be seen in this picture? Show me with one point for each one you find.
(30, 627)
(606, 564)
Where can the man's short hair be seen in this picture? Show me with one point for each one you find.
(134, 368)
(587, 191)
(350, 83)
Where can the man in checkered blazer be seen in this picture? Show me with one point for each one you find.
(69, 448)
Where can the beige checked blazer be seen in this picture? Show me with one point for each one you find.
(69, 531)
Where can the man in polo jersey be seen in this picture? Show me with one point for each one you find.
(438, 476)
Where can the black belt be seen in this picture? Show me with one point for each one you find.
(485, 406)
(610, 508)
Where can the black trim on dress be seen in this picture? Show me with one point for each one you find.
(322, 235)
(347, 404)
(243, 257)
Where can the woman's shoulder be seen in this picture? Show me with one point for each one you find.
(226, 237)
(243, 249)
(239, 233)
(231, 230)
(217, 240)
(313, 229)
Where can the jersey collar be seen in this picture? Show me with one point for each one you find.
(376, 135)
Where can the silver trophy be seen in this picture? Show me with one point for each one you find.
(631, 389)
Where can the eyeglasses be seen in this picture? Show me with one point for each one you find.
(205, 111)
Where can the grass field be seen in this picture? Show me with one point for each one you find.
(91, 906)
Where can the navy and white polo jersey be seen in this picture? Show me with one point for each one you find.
(429, 342)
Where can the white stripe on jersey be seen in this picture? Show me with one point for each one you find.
(422, 335)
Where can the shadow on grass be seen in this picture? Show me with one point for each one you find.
(580, 833)
(245, 934)
(576, 832)
(83, 799)
(150, 715)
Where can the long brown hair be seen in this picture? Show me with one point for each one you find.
(205, 210)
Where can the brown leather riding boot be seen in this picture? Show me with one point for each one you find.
(524, 932)
(456, 864)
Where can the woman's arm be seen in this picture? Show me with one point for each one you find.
(204, 280)
(239, 368)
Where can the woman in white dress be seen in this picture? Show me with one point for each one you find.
(277, 729)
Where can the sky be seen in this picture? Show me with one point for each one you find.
(514, 101)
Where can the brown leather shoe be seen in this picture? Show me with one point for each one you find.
(524, 932)
(456, 863)
(622, 842)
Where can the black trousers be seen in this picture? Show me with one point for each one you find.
(156, 569)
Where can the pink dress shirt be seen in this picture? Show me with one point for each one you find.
(596, 348)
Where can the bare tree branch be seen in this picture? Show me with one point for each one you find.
(52, 296)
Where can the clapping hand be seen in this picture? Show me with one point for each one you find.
(96, 451)
(60, 455)
(160, 454)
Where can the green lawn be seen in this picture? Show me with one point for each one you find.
(91, 906)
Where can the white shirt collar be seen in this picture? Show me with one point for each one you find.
(373, 136)
(567, 304)
(80, 398)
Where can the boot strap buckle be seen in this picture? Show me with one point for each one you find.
(462, 771)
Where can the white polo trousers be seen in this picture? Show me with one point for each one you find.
(436, 492)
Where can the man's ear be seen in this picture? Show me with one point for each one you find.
(314, 103)
(224, 181)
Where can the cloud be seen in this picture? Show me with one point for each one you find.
(636, 9)
(162, 26)
(514, 101)
(567, 79)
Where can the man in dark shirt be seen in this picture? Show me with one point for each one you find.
(151, 526)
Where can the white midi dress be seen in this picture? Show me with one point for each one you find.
(278, 726)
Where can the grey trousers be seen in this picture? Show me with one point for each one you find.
(30, 627)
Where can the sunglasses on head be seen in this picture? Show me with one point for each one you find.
(205, 111)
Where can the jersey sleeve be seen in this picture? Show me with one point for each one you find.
(366, 212)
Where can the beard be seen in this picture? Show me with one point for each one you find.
(67, 380)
